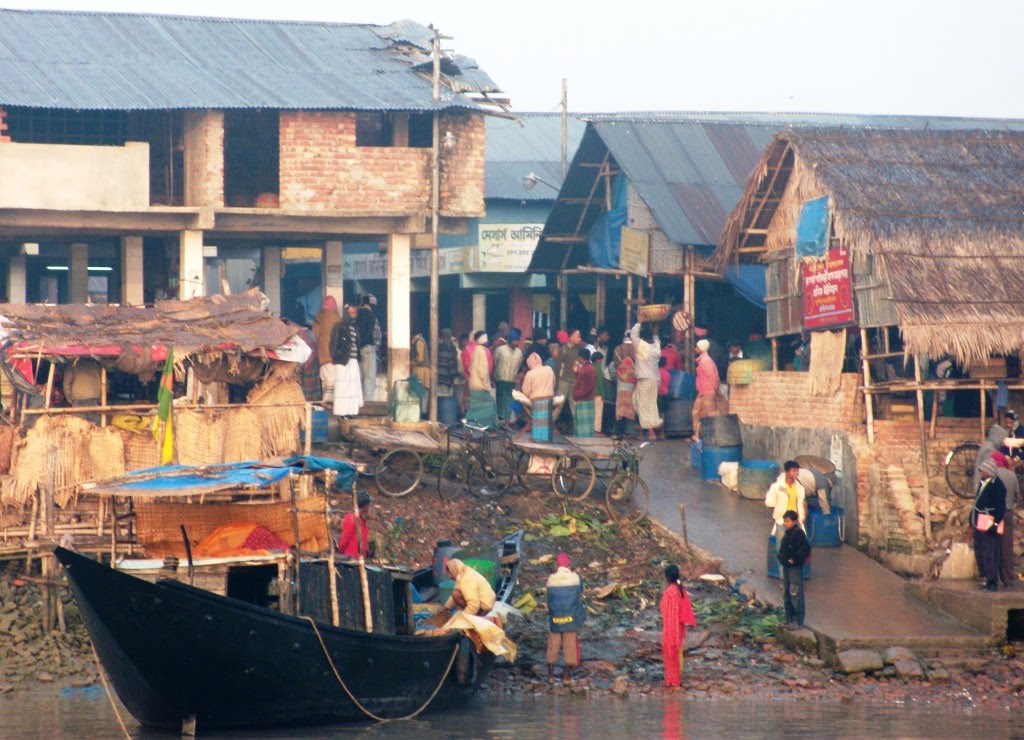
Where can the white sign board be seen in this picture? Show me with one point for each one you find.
(506, 247)
(374, 265)
(633, 251)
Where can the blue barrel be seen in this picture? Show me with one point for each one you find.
(774, 568)
(447, 410)
(682, 385)
(825, 530)
(712, 457)
(756, 476)
(695, 451)
(319, 430)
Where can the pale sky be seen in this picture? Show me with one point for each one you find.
(935, 57)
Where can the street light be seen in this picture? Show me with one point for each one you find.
(530, 182)
(449, 141)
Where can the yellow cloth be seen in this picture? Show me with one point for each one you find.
(791, 497)
(83, 381)
(475, 588)
(491, 635)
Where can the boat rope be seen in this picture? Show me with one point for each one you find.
(364, 710)
(106, 688)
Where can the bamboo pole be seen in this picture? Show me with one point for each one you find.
(563, 301)
(153, 406)
(927, 503)
(775, 354)
(332, 569)
(49, 385)
(935, 414)
(629, 301)
(295, 531)
(307, 444)
(103, 394)
(981, 391)
(364, 583)
(868, 400)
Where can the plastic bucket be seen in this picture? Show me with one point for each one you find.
(712, 457)
(682, 385)
(756, 476)
(825, 530)
(486, 567)
(447, 410)
(678, 417)
(721, 431)
(741, 372)
(695, 453)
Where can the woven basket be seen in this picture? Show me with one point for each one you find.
(741, 372)
(654, 312)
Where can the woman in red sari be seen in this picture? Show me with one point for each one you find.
(676, 616)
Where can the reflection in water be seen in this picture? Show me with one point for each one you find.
(46, 713)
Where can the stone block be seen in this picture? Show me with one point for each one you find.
(859, 661)
(891, 654)
(960, 565)
(907, 669)
(801, 640)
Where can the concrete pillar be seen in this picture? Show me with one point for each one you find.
(521, 311)
(272, 278)
(399, 320)
(78, 276)
(191, 267)
(131, 271)
(334, 271)
(16, 279)
(479, 313)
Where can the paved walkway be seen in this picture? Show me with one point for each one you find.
(850, 597)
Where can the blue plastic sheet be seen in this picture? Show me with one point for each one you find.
(605, 236)
(812, 228)
(749, 281)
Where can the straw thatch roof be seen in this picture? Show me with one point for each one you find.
(215, 323)
(942, 211)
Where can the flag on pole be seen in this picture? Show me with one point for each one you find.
(163, 426)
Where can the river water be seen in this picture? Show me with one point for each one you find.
(47, 712)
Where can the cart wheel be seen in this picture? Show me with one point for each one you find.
(627, 498)
(573, 476)
(960, 469)
(492, 479)
(451, 480)
(399, 472)
(521, 462)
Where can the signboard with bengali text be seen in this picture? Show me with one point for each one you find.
(828, 291)
(505, 247)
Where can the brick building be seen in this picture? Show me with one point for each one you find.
(148, 156)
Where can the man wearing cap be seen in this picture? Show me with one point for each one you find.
(350, 544)
(715, 350)
(987, 524)
(565, 616)
(707, 383)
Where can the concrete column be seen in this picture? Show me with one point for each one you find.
(16, 279)
(521, 310)
(479, 313)
(272, 278)
(399, 320)
(334, 271)
(191, 267)
(131, 271)
(78, 276)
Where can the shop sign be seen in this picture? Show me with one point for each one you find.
(506, 247)
(374, 265)
(828, 291)
(634, 251)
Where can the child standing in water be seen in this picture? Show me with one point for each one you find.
(676, 616)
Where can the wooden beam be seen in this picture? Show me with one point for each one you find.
(565, 239)
(590, 197)
(768, 190)
(868, 400)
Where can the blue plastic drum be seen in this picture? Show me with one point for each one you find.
(712, 457)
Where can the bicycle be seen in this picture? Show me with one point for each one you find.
(627, 497)
(960, 469)
(481, 465)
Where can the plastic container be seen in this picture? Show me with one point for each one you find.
(448, 410)
(695, 453)
(825, 530)
(319, 430)
(487, 567)
(721, 431)
(741, 372)
(682, 384)
(712, 457)
(678, 417)
(774, 568)
(445, 589)
(756, 476)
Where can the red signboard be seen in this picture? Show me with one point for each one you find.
(828, 291)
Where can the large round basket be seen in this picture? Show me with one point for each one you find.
(741, 372)
(654, 312)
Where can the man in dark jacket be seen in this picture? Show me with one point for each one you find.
(986, 521)
(793, 551)
(565, 616)
(447, 364)
(367, 329)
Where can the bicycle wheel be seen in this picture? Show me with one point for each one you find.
(573, 476)
(627, 498)
(399, 472)
(521, 463)
(490, 476)
(960, 469)
(451, 480)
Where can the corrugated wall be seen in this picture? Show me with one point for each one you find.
(874, 307)
(782, 296)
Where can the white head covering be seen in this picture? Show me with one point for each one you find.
(703, 345)
(482, 339)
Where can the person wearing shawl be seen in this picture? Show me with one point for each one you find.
(676, 616)
(583, 394)
(348, 387)
(447, 364)
(473, 593)
(625, 375)
(508, 358)
(645, 397)
(987, 524)
(600, 389)
(482, 410)
(419, 364)
(539, 387)
(323, 325)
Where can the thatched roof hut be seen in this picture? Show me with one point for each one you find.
(934, 221)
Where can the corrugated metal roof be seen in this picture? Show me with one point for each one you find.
(691, 168)
(108, 61)
(530, 143)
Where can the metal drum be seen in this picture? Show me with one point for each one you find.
(678, 417)
(712, 457)
(756, 477)
(721, 431)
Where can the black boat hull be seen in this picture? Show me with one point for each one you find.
(172, 651)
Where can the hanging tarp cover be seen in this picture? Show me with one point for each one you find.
(605, 236)
(749, 281)
(812, 228)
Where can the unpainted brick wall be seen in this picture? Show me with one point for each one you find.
(462, 170)
(204, 158)
(3, 126)
(781, 399)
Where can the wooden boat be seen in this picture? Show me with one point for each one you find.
(177, 654)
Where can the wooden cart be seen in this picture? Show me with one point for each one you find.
(401, 452)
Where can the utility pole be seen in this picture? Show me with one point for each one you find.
(565, 128)
(435, 216)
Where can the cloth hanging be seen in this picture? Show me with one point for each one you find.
(827, 354)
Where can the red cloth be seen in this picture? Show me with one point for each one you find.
(586, 382)
(467, 354)
(676, 616)
(707, 375)
(1000, 460)
(673, 360)
(664, 381)
(348, 545)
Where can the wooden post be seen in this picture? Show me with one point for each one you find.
(295, 531)
(629, 302)
(690, 306)
(332, 569)
(307, 445)
(599, 301)
(563, 301)
(775, 354)
(869, 401)
(364, 584)
(935, 414)
(49, 386)
(927, 503)
(682, 519)
(103, 394)
(983, 414)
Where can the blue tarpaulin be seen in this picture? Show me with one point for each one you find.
(812, 228)
(605, 235)
(749, 282)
